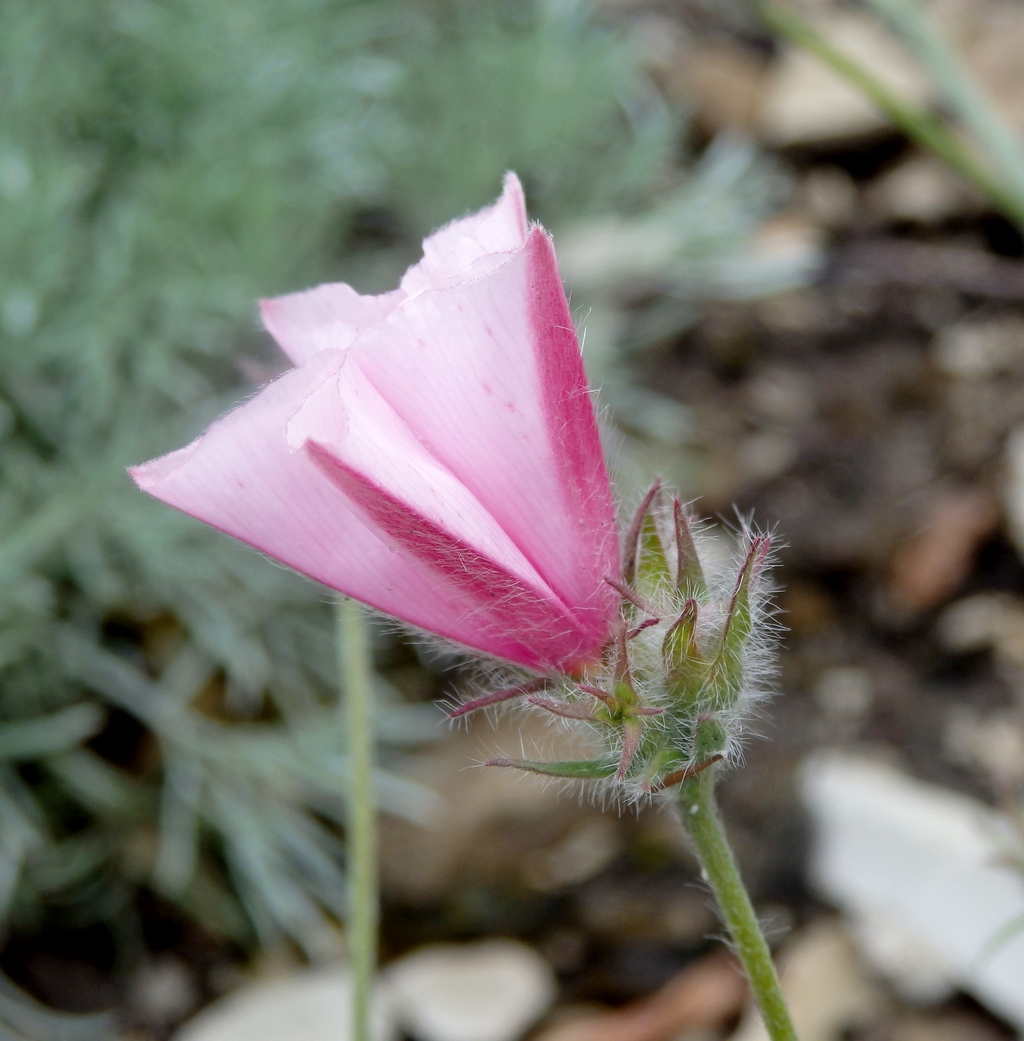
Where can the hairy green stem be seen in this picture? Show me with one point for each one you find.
(354, 664)
(700, 817)
(917, 123)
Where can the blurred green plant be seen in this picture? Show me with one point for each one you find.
(168, 708)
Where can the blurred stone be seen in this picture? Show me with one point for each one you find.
(789, 242)
(584, 852)
(951, 1025)
(163, 992)
(844, 693)
(827, 989)
(918, 870)
(985, 621)
(924, 190)
(929, 566)
(829, 194)
(994, 743)
(705, 996)
(664, 914)
(487, 991)
(766, 454)
(806, 103)
(796, 311)
(724, 84)
(979, 348)
(311, 1005)
(936, 309)
(782, 395)
(490, 819)
(918, 972)
(980, 414)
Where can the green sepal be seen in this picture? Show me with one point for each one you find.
(632, 543)
(726, 674)
(710, 739)
(684, 665)
(583, 769)
(652, 571)
(625, 695)
(690, 579)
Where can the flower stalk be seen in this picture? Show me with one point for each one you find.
(667, 700)
(363, 899)
(704, 826)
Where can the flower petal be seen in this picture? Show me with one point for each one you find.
(466, 248)
(330, 316)
(243, 478)
(489, 376)
(407, 494)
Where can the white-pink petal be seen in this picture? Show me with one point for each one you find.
(461, 250)
(489, 377)
(435, 454)
(327, 317)
(244, 478)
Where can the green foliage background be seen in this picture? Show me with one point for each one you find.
(162, 165)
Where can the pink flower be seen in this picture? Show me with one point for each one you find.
(434, 452)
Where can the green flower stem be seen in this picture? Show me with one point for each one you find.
(363, 899)
(700, 817)
(917, 123)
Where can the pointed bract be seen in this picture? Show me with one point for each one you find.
(581, 769)
(684, 665)
(496, 697)
(566, 709)
(632, 731)
(726, 676)
(689, 574)
(631, 545)
(652, 571)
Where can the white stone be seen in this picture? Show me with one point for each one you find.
(487, 991)
(921, 873)
(844, 692)
(311, 1005)
(981, 348)
(922, 189)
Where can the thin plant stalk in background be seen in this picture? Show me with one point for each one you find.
(977, 143)
(435, 453)
(361, 833)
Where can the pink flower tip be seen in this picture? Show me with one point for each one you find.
(434, 452)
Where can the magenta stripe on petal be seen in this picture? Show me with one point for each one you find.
(508, 607)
